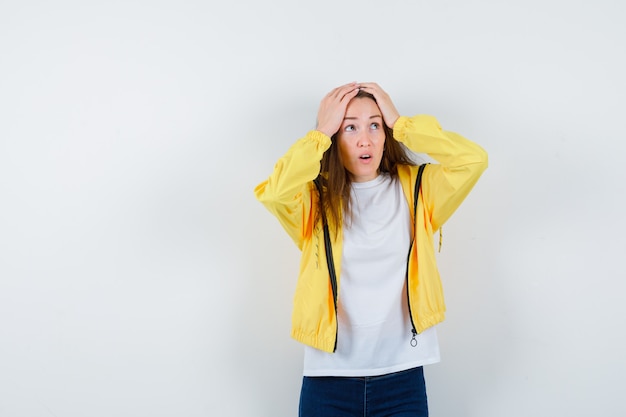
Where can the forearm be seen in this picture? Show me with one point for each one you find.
(299, 166)
(423, 134)
(460, 163)
(287, 191)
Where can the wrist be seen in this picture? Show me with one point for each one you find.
(324, 131)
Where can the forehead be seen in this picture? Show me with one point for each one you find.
(362, 106)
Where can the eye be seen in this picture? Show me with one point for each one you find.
(375, 126)
(349, 128)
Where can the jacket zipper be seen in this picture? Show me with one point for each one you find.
(408, 300)
(330, 263)
(418, 182)
(333, 277)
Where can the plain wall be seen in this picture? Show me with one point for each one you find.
(140, 277)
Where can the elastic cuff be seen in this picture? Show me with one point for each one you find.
(400, 127)
(319, 137)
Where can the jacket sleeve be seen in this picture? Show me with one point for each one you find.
(287, 191)
(461, 162)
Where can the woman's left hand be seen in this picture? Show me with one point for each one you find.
(390, 114)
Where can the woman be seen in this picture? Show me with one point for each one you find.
(346, 194)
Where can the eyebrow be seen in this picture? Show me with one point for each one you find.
(355, 118)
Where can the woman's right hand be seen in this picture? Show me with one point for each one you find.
(333, 108)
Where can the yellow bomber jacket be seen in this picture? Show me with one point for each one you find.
(290, 195)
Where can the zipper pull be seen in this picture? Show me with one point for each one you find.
(413, 339)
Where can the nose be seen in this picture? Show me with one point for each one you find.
(363, 140)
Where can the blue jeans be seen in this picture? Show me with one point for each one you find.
(398, 394)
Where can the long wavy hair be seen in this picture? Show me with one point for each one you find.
(335, 180)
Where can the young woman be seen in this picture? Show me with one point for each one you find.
(368, 294)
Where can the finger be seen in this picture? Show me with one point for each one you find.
(343, 90)
(350, 95)
(373, 89)
(370, 85)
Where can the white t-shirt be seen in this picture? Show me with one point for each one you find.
(374, 329)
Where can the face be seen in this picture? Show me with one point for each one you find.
(361, 139)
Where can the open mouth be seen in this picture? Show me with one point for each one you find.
(366, 156)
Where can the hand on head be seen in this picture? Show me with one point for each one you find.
(390, 114)
(333, 106)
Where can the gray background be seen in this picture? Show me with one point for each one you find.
(139, 276)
